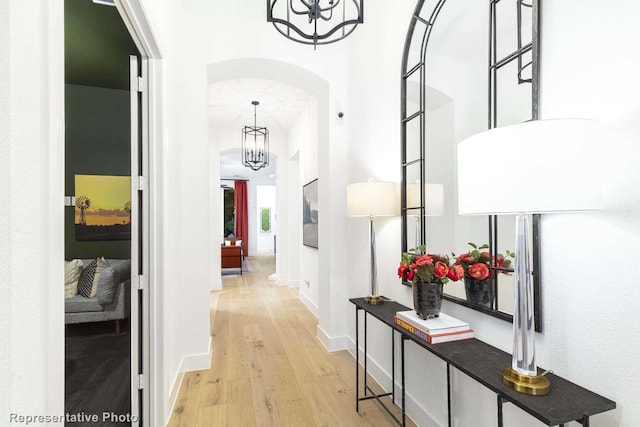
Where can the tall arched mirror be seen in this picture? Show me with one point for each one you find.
(468, 65)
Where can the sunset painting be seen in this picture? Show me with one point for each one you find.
(103, 207)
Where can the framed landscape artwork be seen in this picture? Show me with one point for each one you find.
(310, 214)
(103, 207)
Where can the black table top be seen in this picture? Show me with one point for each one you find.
(565, 402)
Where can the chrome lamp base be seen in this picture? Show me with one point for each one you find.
(537, 385)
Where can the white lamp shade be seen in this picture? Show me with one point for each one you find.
(375, 198)
(413, 198)
(433, 199)
(533, 167)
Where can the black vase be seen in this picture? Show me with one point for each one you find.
(427, 299)
(479, 292)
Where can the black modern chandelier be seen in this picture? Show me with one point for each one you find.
(255, 144)
(315, 21)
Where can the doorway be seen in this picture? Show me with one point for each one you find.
(105, 245)
(266, 215)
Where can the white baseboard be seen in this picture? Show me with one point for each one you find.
(216, 284)
(413, 409)
(190, 362)
(289, 283)
(331, 343)
(197, 362)
(173, 395)
(308, 303)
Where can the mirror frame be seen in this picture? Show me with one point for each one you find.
(419, 16)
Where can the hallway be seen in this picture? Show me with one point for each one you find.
(268, 368)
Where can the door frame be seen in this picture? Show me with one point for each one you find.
(135, 19)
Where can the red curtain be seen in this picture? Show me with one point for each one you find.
(242, 214)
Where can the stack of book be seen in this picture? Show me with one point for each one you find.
(435, 330)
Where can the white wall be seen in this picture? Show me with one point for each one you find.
(587, 71)
(288, 254)
(605, 90)
(31, 229)
(372, 120)
(304, 142)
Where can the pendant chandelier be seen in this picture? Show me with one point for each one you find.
(315, 22)
(255, 144)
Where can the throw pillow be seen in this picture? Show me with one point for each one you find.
(88, 284)
(72, 273)
(116, 273)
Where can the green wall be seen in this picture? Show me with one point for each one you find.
(97, 142)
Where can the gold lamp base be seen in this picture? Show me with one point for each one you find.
(373, 299)
(537, 385)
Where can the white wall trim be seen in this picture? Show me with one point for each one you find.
(294, 283)
(189, 362)
(196, 362)
(284, 282)
(173, 394)
(331, 343)
(413, 408)
(309, 304)
(136, 21)
(55, 192)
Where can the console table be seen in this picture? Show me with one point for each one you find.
(565, 402)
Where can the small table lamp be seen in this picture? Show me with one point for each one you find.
(542, 166)
(372, 199)
(433, 202)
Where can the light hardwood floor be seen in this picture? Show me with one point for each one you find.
(267, 367)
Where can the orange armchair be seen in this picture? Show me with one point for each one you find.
(231, 257)
(235, 241)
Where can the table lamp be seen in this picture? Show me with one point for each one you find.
(541, 166)
(371, 199)
(433, 203)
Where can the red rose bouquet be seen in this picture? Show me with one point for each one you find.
(476, 262)
(430, 268)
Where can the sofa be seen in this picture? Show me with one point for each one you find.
(231, 257)
(112, 300)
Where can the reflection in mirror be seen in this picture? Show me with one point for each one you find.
(413, 213)
(413, 140)
(432, 198)
(450, 92)
(414, 223)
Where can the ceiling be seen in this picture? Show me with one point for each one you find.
(230, 107)
(280, 104)
(97, 49)
(97, 45)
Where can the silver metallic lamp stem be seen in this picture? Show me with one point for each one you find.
(373, 297)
